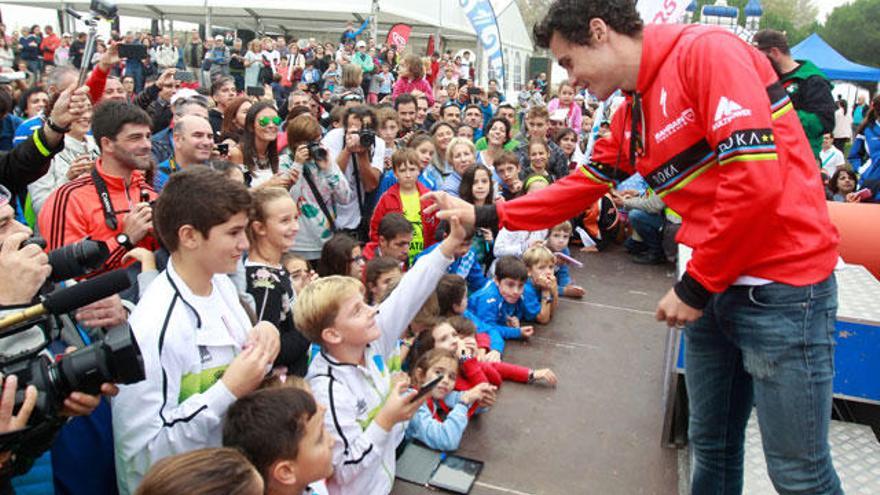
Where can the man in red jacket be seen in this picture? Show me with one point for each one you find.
(714, 134)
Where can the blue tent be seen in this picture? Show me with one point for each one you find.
(832, 63)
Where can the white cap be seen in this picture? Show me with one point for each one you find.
(219, 37)
(360, 44)
(183, 93)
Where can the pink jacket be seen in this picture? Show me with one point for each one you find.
(407, 85)
(574, 114)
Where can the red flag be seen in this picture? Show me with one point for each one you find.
(430, 50)
(398, 35)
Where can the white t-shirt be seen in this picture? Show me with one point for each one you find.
(830, 159)
(465, 70)
(348, 215)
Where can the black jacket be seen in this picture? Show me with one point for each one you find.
(26, 163)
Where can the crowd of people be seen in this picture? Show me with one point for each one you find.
(273, 201)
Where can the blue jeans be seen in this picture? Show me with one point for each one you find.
(771, 346)
(648, 226)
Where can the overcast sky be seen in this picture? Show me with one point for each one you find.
(826, 6)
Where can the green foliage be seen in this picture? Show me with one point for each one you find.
(852, 30)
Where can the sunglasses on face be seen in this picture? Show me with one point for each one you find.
(265, 121)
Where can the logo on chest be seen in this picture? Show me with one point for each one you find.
(728, 111)
(686, 118)
(204, 355)
(361, 406)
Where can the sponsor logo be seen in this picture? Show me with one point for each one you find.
(361, 406)
(686, 118)
(204, 354)
(747, 138)
(728, 111)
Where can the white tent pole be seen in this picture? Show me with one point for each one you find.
(374, 21)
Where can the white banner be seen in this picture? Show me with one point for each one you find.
(662, 11)
(482, 17)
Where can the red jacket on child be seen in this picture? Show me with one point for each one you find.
(390, 202)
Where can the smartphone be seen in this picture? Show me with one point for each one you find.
(863, 194)
(223, 148)
(184, 76)
(145, 196)
(427, 388)
(255, 91)
(568, 259)
(132, 50)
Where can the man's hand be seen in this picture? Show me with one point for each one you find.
(398, 406)
(139, 222)
(106, 313)
(22, 271)
(446, 206)
(8, 421)
(675, 312)
(71, 105)
(353, 143)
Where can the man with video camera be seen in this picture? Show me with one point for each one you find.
(24, 270)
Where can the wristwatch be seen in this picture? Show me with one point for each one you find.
(124, 241)
(55, 127)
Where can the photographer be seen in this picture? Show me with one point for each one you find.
(360, 156)
(124, 219)
(23, 272)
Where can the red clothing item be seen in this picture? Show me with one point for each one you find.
(96, 82)
(723, 147)
(48, 47)
(74, 211)
(472, 373)
(390, 202)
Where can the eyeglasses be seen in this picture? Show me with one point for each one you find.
(358, 259)
(265, 121)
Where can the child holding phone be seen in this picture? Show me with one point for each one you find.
(440, 422)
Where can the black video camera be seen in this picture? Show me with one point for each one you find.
(103, 8)
(316, 152)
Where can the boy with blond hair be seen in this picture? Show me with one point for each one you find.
(352, 373)
(541, 293)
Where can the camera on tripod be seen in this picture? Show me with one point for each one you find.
(26, 332)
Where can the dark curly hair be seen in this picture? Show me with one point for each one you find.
(570, 19)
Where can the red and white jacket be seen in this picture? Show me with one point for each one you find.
(719, 141)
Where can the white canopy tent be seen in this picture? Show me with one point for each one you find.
(441, 18)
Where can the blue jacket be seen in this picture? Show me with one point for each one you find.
(497, 333)
(7, 131)
(866, 146)
(531, 301)
(489, 306)
(445, 435)
(466, 267)
(26, 129)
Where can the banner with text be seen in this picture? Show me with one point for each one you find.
(482, 17)
(662, 11)
(398, 36)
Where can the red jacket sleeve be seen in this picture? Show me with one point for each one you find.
(512, 372)
(472, 370)
(378, 214)
(571, 195)
(732, 102)
(483, 341)
(492, 375)
(96, 82)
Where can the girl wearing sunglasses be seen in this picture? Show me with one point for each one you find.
(257, 151)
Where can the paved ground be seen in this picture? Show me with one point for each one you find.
(599, 431)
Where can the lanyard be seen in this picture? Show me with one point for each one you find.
(104, 197)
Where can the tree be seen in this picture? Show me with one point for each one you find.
(851, 29)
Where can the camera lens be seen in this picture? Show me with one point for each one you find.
(76, 260)
(116, 359)
(316, 152)
(368, 138)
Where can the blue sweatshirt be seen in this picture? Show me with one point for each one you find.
(440, 435)
(497, 333)
(489, 306)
